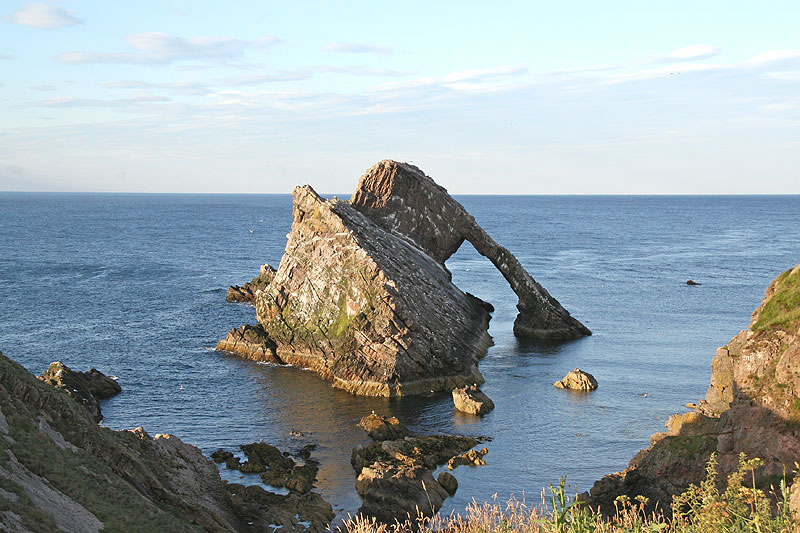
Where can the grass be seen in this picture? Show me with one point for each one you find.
(741, 507)
(783, 308)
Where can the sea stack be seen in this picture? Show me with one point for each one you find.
(363, 298)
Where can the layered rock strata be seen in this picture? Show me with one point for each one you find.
(366, 309)
(400, 198)
(247, 292)
(362, 296)
(60, 471)
(752, 406)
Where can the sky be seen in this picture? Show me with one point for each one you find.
(486, 97)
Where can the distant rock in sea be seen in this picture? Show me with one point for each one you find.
(577, 379)
(363, 298)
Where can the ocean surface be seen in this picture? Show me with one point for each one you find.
(134, 285)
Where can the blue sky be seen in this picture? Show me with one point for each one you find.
(486, 97)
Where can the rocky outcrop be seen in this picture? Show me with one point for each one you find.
(395, 477)
(61, 471)
(87, 388)
(247, 292)
(381, 428)
(251, 342)
(577, 379)
(472, 400)
(367, 309)
(362, 296)
(402, 199)
(468, 458)
(751, 407)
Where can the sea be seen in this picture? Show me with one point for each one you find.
(134, 285)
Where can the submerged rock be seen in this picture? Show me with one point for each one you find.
(472, 400)
(381, 428)
(87, 388)
(751, 407)
(577, 380)
(363, 298)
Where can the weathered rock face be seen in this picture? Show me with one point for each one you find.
(751, 407)
(251, 342)
(247, 292)
(402, 199)
(472, 400)
(87, 388)
(577, 379)
(395, 478)
(367, 309)
(60, 471)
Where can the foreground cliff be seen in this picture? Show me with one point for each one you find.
(752, 406)
(59, 470)
(363, 298)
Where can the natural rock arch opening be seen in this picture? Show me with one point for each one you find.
(400, 198)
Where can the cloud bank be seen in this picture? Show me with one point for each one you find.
(44, 16)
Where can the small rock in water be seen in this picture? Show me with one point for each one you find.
(691, 282)
(577, 379)
(472, 400)
(470, 458)
(381, 428)
(449, 482)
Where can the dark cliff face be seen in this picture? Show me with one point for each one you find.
(752, 406)
(59, 470)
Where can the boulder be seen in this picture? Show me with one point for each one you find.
(577, 380)
(87, 388)
(448, 481)
(691, 282)
(381, 428)
(472, 400)
(363, 298)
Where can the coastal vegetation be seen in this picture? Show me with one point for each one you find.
(742, 507)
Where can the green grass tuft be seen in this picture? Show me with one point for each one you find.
(783, 309)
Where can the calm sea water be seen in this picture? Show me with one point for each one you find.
(135, 286)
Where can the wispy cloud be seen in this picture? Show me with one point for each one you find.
(307, 73)
(773, 56)
(582, 69)
(159, 48)
(454, 78)
(43, 87)
(44, 16)
(185, 87)
(4, 56)
(69, 101)
(356, 48)
(689, 53)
